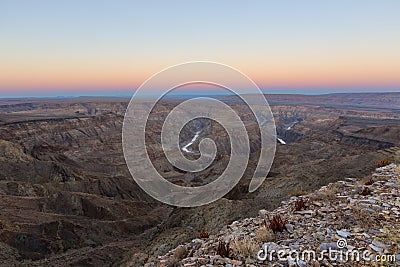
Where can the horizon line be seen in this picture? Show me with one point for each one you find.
(208, 93)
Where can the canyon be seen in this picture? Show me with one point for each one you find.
(68, 199)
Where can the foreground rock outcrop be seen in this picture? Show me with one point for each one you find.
(347, 218)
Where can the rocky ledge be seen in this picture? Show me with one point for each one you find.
(328, 227)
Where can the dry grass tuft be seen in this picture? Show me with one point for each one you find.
(365, 219)
(137, 259)
(383, 163)
(328, 194)
(391, 236)
(265, 234)
(298, 192)
(8, 226)
(180, 253)
(244, 248)
(382, 177)
(397, 169)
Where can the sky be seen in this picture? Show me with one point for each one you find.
(54, 48)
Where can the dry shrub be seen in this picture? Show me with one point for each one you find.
(265, 234)
(391, 236)
(277, 224)
(365, 192)
(365, 219)
(328, 194)
(369, 182)
(383, 163)
(223, 250)
(298, 192)
(382, 177)
(8, 226)
(244, 248)
(397, 169)
(137, 259)
(299, 205)
(204, 234)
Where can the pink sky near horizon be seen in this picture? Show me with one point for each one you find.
(109, 79)
(82, 47)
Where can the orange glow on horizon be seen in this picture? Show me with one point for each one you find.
(46, 78)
